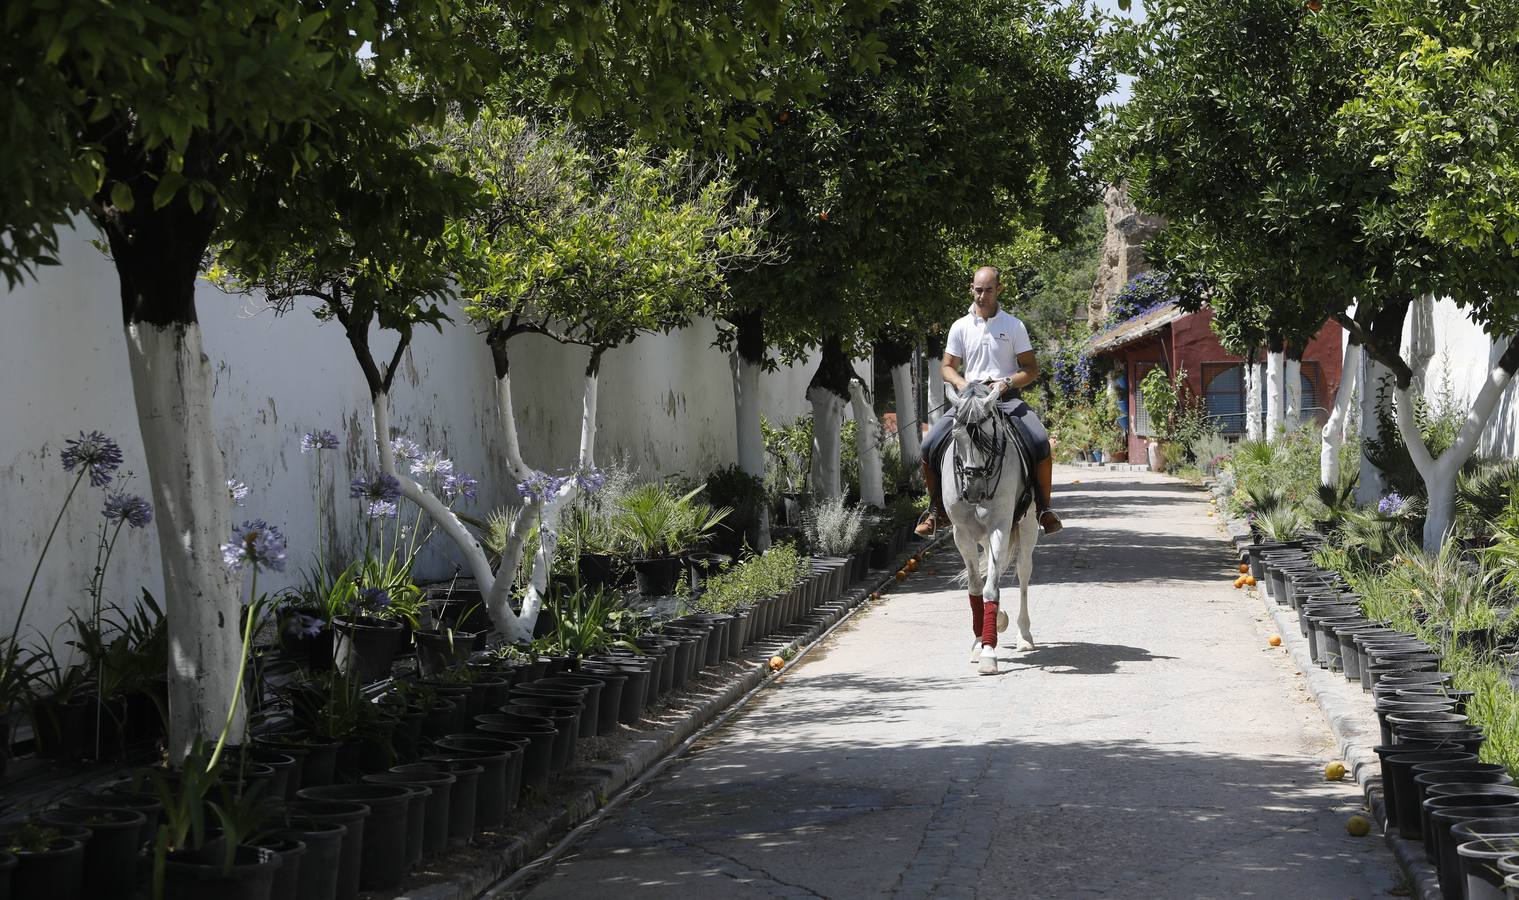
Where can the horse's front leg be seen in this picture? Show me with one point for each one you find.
(993, 618)
(1028, 535)
(970, 552)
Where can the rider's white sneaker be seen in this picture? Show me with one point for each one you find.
(1001, 621)
(988, 661)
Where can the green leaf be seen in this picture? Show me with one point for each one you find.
(121, 197)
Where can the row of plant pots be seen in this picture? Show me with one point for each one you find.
(358, 814)
(1465, 812)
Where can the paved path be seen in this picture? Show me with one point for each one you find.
(1151, 746)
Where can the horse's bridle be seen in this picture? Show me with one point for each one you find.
(989, 437)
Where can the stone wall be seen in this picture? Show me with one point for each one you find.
(1123, 250)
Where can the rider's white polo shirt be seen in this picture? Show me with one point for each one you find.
(989, 347)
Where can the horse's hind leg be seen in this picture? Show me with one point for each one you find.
(1027, 534)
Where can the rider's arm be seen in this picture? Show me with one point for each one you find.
(1027, 374)
(951, 372)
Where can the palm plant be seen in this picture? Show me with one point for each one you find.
(1339, 499)
(658, 525)
(583, 625)
(1482, 496)
(1280, 523)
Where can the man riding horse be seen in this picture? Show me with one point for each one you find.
(994, 348)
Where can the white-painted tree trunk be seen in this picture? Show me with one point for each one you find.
(1292, 376)
(1254, 372)
(1276, 395)
(1420, 328)
(751, 441)
(867, 446)
(827, 413)
(171, 381)
(554, 509)
(1332, 437)
(1372, 484)
(909, 433)
(936, 407)
(1439, 474)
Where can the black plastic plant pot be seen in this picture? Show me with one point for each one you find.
(1401, 800)
(365, 648)
(490, 787)
(317, 873)
(1443, 818)
(598, 571)
(147, 804)
(738, 633)
(441, 718)
(1458, 698)
(538, 755)
(439, 651)
(1435, 731)
(251, 877)
(1496, 796)
(1476, 787)
(635, 691)
(382, 860)
(287, 770)
(658, 577)
(52, 874)
(590, 696)
(461, 812)
(435, 814)
(7, 866)
(516, 762)
(110, 856)
(317, 757)
(609, 704)
(492, 690)
(1479, 857)
(416, 812)
(287, 877)
(1386, 707)
(302, 813)
(566, 721)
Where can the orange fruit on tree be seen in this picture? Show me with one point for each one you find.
(1275, 640)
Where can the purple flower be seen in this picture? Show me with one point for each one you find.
(541, 486)
(237, 491)
(460, 485)
(374, 598)
(1392, 505)
(97, 453)
(381, 509)
(318, 440)
(300, 625)
(591, 480)
(405, 450)
(128, 508)
(432, 463)
(380, 487)
(255, 542)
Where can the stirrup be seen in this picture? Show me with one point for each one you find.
(928, 525)
(1053, 525)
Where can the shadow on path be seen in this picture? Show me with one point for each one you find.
(1079, 658)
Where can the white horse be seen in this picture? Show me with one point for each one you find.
(981, 490)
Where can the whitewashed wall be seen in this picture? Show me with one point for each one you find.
(1463, 355)
(666, 404)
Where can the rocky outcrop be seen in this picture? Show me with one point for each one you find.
(1123, 250)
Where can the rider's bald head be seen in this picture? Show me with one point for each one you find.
(992, 274)
(984, 288)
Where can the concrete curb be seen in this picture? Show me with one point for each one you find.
(1348, 711)
(603, 781)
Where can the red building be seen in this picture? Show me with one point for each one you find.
(1169, 337)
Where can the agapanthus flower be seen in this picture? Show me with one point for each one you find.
(541, 486)
(432, 463)
(591, 480)
(97, 453)
(374, 598)
(256, 542)
(460, 485)
(300, 625)
(128, 508)
(405, 450)
(318, 440)
(381, 509)
(379, 487)
(237, 491)
(1393, 504)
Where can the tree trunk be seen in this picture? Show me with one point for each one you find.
(828, 392)
(1372, 484)
(1421, 340)
(867, 446)
(936, 407)
(751, 441)
(1332, 438)
(909, 430)
(1254, 372)
(1292, 375)
(1439, 474)
(1276, 395)
(171, 380)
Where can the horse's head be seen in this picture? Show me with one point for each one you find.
(977, 440)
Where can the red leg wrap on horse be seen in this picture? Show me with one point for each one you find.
(989, 623)
(976, 614)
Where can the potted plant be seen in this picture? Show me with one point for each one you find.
(47, 863)
(659, 528)
(1160, 398)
